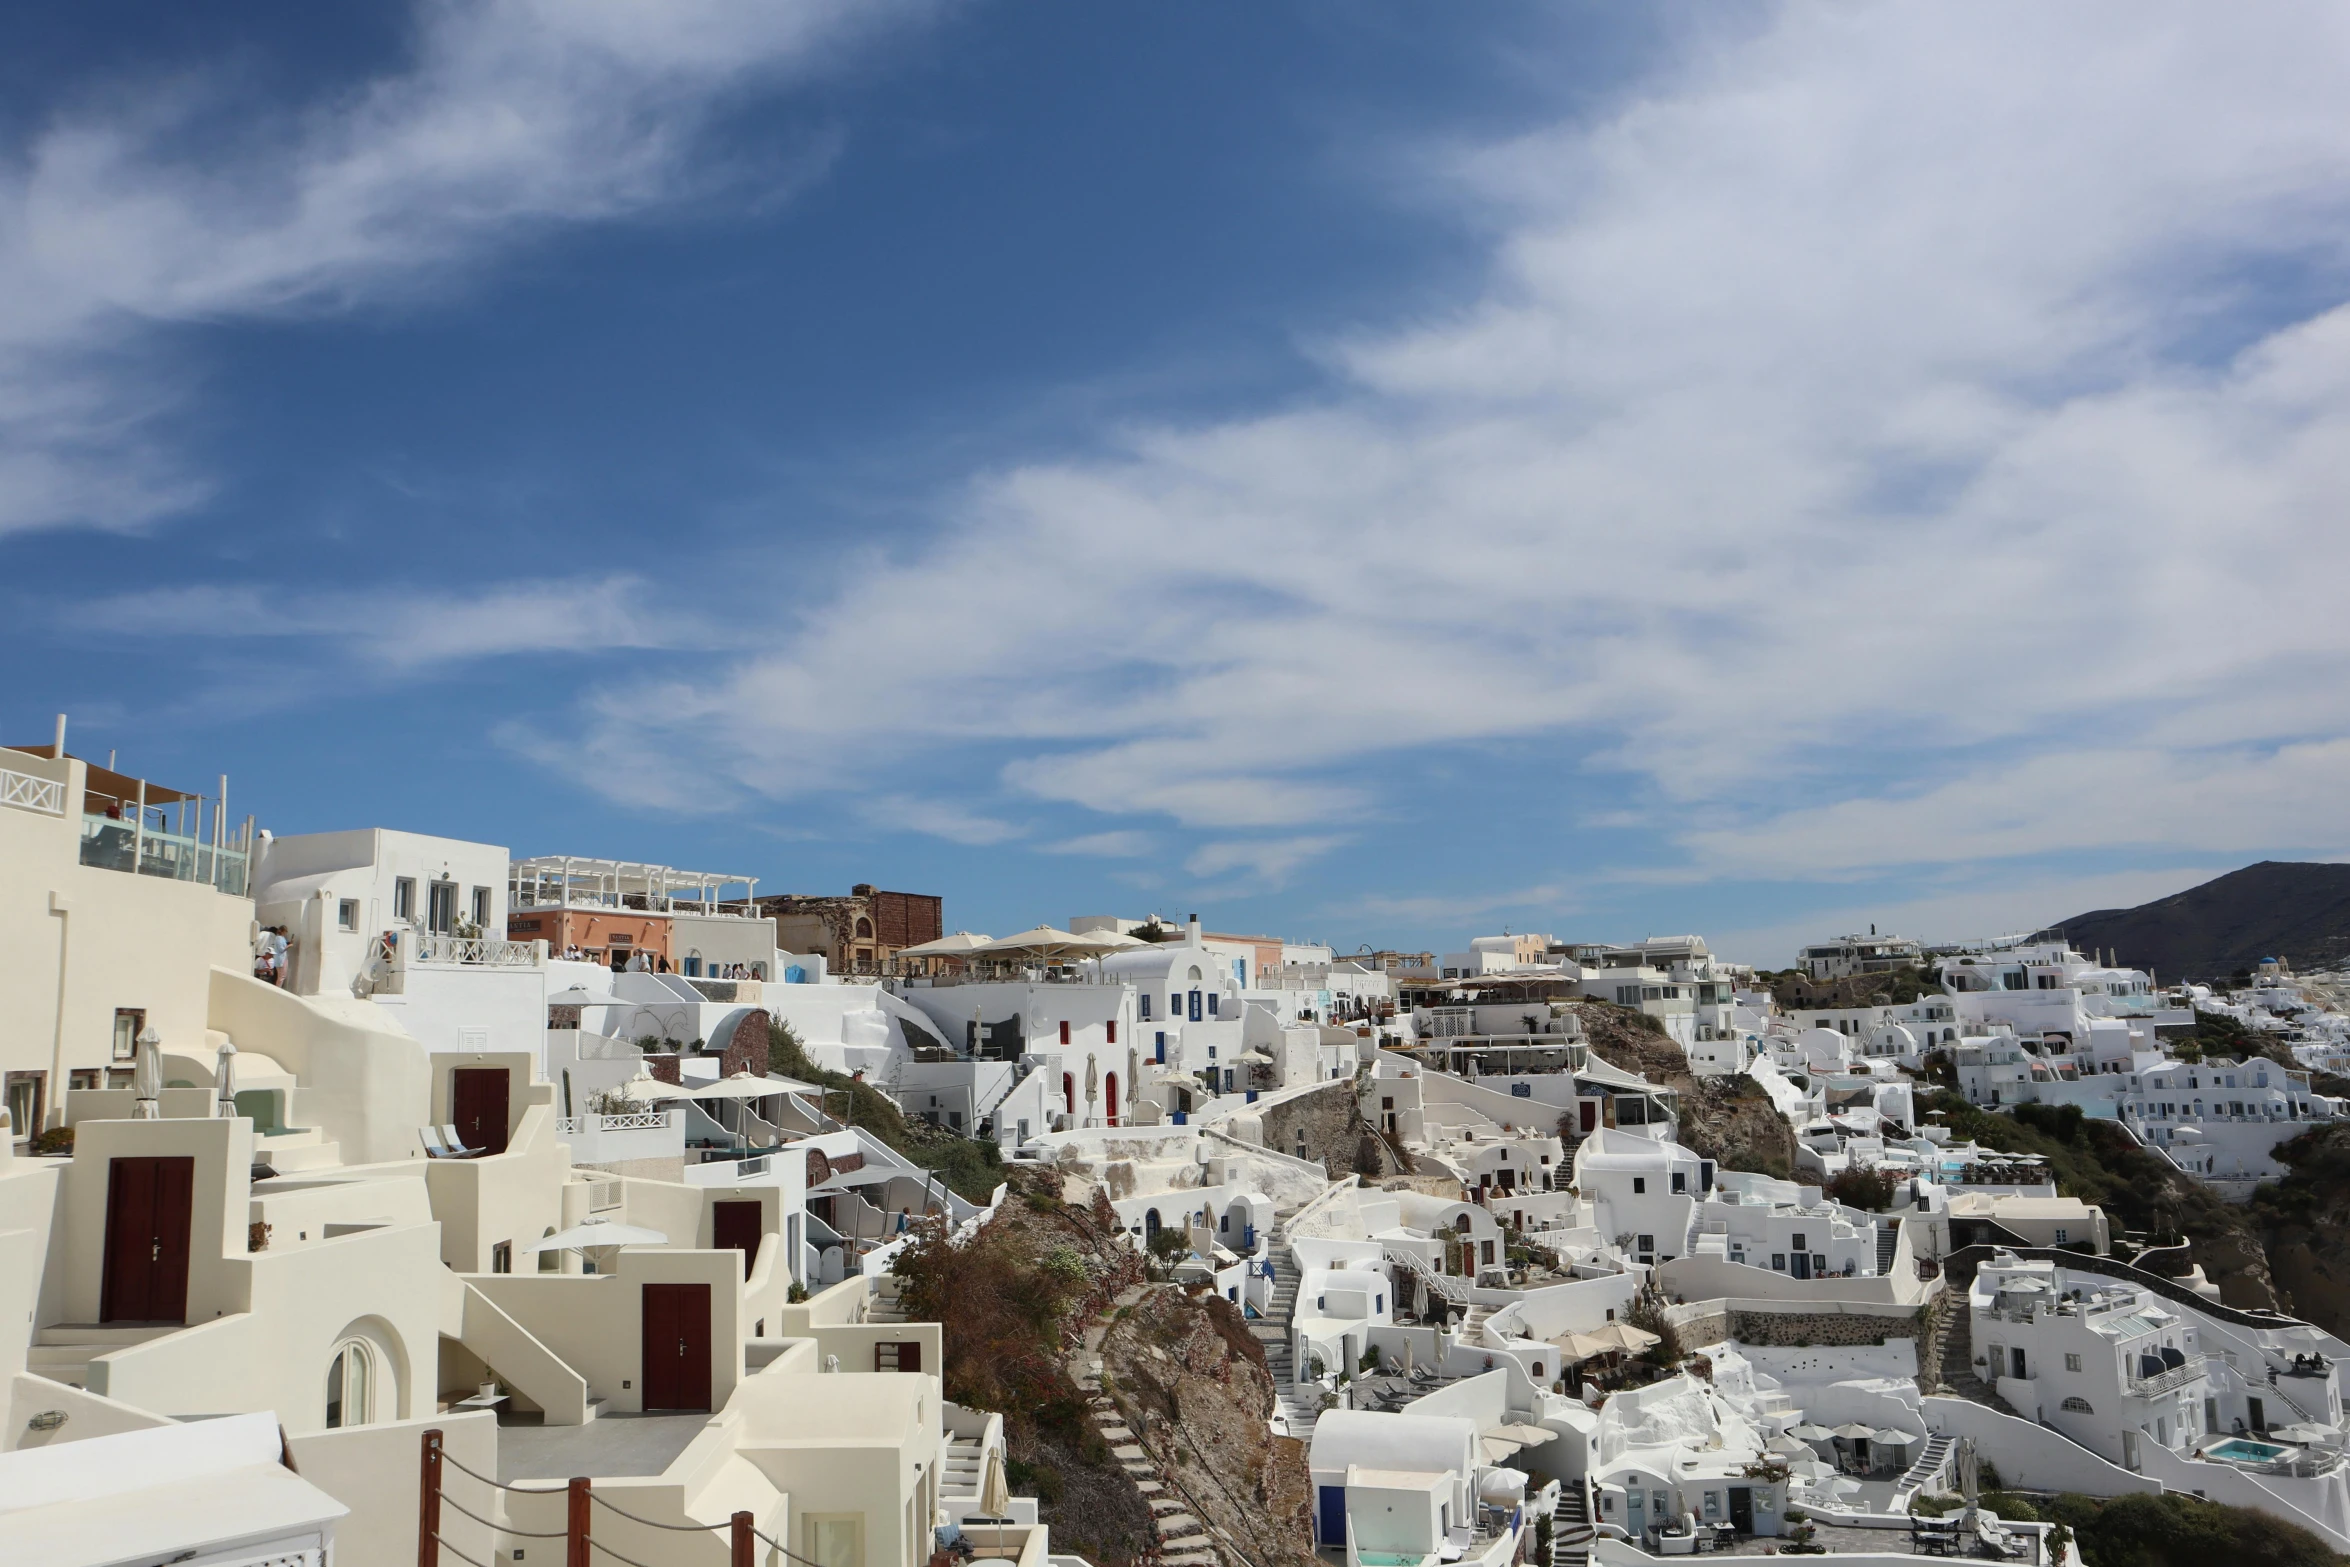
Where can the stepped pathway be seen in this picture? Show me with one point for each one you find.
(1299, 1407)
(1183, 1540)
(1888, 1242)
(1929, 1473)
(1956, 1359)
(1570, 1528)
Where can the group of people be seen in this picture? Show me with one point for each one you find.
(270, 945)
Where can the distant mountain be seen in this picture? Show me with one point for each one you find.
(2277, 909)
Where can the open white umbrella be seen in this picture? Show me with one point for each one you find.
(600, 1232)
(1811, 1433)
(961, 944)
(744, 1085)
(1852, 1431)
(577, 996)
(645, 1089)
(1042, 940)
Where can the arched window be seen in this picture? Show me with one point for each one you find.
(350, 1385)
(2077, 1406)
(1462, 1223)
(864, 929)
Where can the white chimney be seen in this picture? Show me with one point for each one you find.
(1191, 931)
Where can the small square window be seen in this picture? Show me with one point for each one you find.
(2072, 1362)
(1639, 1184)
(347, 914)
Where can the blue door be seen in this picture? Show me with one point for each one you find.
(1332, 1529)
(1195, 1006)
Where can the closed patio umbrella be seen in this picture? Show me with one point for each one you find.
(147, 1076)
(995, 1496)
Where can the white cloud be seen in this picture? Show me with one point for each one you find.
(509, 117)
(1875, 409)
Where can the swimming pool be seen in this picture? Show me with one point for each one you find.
(2242, 1451)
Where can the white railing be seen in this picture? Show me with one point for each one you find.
(483, 951)
(635, 1121)
(23, 790)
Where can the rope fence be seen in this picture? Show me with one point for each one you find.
(580, 1546)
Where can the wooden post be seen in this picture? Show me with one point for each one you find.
(742, 1541)
(575, 1527)
(428, 1503)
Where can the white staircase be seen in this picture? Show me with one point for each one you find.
(1570, 1528)
(1299, 1407)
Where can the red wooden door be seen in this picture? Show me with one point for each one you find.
(149, 1204)
(1590, 1117)
(739, 1225)
(477, 1096)
(676, 1360)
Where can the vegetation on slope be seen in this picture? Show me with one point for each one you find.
(2096, 1161)
(1010, 1304)
(2169, 1529)
(971, 1168)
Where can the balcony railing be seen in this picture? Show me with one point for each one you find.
(2166, 1381)
(28, 793)
(109, 844)
(432, 947)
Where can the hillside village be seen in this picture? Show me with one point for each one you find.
(380, 1198)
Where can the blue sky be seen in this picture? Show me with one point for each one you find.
(1371, 472)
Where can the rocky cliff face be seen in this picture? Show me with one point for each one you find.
(1726, 1120)
(1191, 1385)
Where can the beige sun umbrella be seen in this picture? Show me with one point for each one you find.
(1111, 940)
(1040, 940)
(1583, 1346)
(995, 1496)
(1624, 1336)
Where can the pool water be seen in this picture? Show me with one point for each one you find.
(2246, 1452)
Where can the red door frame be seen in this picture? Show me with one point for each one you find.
(674, 1363)
(150, 1207)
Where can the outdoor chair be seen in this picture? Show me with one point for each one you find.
(456, 1145)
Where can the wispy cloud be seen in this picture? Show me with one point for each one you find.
(1540, 901)
(1863, 442)
(396, 630)
(509, 117)
(1120, 845)
(1271, 861)
(939, 819)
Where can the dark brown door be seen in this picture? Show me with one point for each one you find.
(739, 1225)
(149, 1203)
(477, 1096)
(897, 1357)
(677, 1346)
